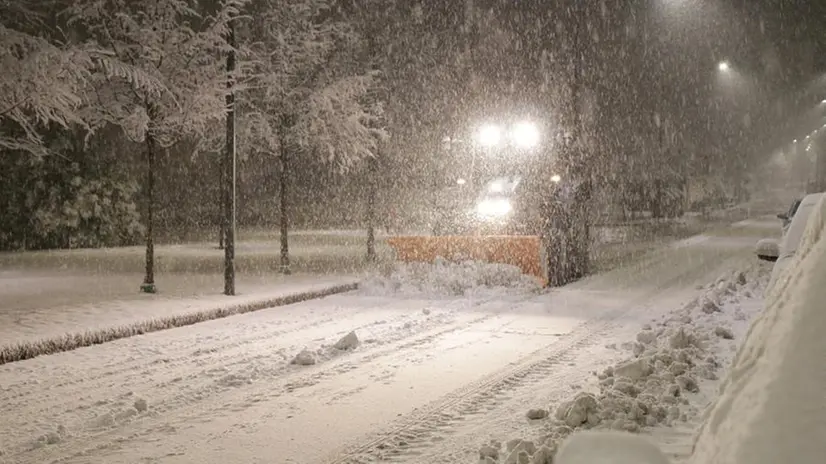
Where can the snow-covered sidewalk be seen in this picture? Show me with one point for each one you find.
(93, 303)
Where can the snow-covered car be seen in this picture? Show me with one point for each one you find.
(781, 252)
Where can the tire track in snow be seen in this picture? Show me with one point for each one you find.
(138, 370)
(191, 390)
(438, 419)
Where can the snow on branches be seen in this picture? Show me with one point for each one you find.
(338, 124)
(307, 93)
(177, 43)
(44, 88)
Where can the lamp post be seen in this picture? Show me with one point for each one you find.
(230, 171)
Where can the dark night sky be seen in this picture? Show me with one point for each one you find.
(775, 47)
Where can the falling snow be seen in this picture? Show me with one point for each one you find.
(329, 231)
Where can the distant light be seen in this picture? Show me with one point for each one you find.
(823, 102)
(723, 66)
(490, 135)
(808, 137)
(556, 178)
(525, 135)
(497, 187)
(461, 181)
(794, 141)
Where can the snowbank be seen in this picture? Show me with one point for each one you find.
(445, 278)
(660, 383)
(772, 407)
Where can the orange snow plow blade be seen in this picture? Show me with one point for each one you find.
(522, 251)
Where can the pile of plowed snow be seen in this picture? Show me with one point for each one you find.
(446, 278)
(771, 407)
(655, 385)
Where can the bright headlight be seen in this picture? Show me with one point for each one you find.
(525, 135)
(498, 207)
(489, 135)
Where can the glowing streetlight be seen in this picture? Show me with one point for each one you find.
(723, 66)
(556, 178)
(489, 135)
(525, 135)
(461, 181)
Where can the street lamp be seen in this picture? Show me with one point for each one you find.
(525, 135)
(489, 135)
(723, 66)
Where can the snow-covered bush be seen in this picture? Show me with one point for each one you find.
(448, 278)
(53, 203)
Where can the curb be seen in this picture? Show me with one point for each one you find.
(73, 341)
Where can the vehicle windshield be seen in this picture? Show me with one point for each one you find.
(793, 209)
(501, 187)
(791, 241)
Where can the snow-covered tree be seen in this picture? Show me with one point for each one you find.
(178, 43)
(45, 88)
(309, 101)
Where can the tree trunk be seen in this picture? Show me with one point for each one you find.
(372, 169)
(221, 185)
(657, 199)
(577, 234)
(148, 285)
(583, 218)
(283, 213)
(230, 176)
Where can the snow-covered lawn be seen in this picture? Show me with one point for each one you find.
(431, 377)
(313, 254)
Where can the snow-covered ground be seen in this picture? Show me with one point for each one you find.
(431, 378)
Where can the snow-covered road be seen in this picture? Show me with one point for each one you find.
(431, 378)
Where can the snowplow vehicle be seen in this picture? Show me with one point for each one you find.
(493, 209)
